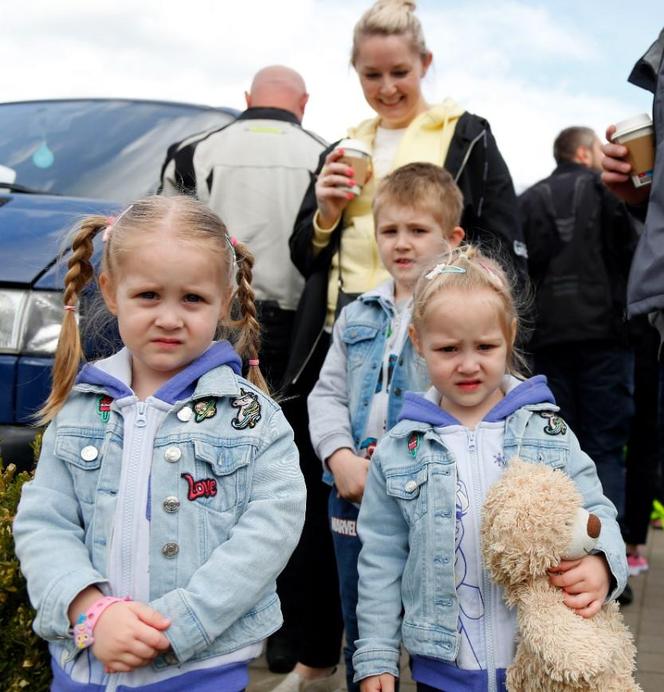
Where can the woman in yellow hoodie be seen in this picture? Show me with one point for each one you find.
(333, 231)
(391, 58)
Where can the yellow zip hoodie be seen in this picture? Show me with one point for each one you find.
(427, 139)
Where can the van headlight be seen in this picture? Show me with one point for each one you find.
(30, 321)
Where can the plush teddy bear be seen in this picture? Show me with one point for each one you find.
(532, 519)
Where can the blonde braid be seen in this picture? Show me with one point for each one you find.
(69, 352)
(249, 339)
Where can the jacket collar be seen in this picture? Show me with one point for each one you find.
(268, 113)
(518, 394)
(383, 294)
(433, 118)
(571, 167)
(201, 378)
(644, 73)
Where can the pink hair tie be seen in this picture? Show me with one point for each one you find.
(493, 274)
(110, 220)
(233, 240)
(253, 362)
(71, 308)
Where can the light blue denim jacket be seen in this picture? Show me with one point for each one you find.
(340, 402)
(215, 550)
(407, 524)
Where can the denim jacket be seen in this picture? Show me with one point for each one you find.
(225, 503)
(407, 524)
(340, 402)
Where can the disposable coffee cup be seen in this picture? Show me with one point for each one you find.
(358, 156)
(637, 135)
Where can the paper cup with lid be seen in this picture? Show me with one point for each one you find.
(637, 134)
(357, 155)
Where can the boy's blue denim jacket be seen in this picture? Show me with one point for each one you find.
(340, 402)
(225, 502)
(407, 525)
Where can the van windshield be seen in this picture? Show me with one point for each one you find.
(104, 149)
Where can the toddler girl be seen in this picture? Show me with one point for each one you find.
(168, 494)
(421, 575)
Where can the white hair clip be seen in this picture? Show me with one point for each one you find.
(444, 269)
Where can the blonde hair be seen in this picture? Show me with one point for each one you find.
(475, 272)
(189, 220)
(390, 18)
(418, 185)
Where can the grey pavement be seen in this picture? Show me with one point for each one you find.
(645, 617)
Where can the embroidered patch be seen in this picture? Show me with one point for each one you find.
(205, 408)
(555, 425)
(414, 443)
(206, 487)
(249, 412)
(500, 460)
(104, 407)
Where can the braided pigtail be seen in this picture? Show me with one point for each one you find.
(69, 352)
(249, 337)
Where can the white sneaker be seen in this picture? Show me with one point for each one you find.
(294, 682)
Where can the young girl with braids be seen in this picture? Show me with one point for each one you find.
(421, 576)
(168, 495)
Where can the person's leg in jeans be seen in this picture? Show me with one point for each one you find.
(343, 523)
(606, 386)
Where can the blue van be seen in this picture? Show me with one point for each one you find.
(59, 161)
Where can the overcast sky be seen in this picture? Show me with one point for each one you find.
(530, 67)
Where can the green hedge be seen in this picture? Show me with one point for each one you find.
(24, 657)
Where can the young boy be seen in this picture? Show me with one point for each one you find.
(371, 362)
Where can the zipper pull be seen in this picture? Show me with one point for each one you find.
(141, 419)
(471, 440)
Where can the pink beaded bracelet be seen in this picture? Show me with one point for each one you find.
(86, 622)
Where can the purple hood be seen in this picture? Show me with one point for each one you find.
(532, 391)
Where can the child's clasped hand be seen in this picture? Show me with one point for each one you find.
(585, 583)
(378, 683)
(129, 635)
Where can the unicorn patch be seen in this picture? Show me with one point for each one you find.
(249, 410)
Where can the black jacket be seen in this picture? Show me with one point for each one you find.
(580, 241)
(490, 216)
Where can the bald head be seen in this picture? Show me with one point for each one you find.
(277, 86)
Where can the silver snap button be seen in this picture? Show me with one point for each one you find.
(410, 486)
(173, 454)
(170, 658)
(171, 504)
(170, 549)
(185, 414)
(89, 453)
